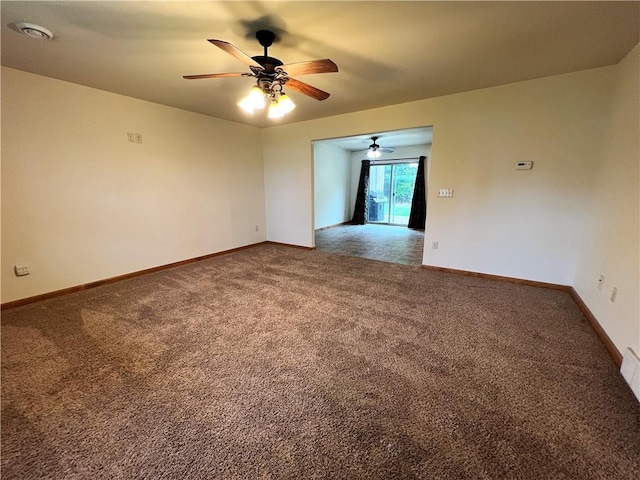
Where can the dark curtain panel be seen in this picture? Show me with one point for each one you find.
(360, 210)
(418, 214)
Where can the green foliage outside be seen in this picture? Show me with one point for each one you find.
(405, 178)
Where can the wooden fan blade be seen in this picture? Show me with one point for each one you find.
(306, 89)
(236, 52)
(312, 66)
(213, 75)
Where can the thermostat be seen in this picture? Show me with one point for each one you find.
(524, 165)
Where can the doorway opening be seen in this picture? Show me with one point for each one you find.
(391, 179)
(391, 187)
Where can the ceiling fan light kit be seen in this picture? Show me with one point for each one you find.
(280, 106)
(279, 102)
(271, 75)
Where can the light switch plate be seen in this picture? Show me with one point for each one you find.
(445, 192)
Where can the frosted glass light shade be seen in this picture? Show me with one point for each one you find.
(253, 101)
(285, 103)
(275, 111)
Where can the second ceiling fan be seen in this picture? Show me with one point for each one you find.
(375, 150)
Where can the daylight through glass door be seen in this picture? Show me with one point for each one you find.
(390, 192)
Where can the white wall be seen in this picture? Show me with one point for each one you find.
(500, 221)
(80, 203)
(332, 185)
(611, 239)
(415, 151)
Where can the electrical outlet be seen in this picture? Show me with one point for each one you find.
(131, 137)
(434, 245)
(138, 138)
(256, 228)
(21, 270)
(614, 294)
(600, 282)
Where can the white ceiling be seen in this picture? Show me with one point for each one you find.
(396, 138)
(388, 52)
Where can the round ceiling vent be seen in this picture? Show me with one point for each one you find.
(33, 30)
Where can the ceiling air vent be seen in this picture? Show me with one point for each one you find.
(33, 30)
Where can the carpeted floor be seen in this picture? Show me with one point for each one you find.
(281, 363)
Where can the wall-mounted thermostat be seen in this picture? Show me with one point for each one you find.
(524, 165)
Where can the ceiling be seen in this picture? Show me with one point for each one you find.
(387, 52)
(396, 138)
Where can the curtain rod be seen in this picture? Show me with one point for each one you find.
(391, 160)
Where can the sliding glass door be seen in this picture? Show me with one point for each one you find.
(390, 192)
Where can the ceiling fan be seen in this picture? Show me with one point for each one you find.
(271, 76)
(376, 150)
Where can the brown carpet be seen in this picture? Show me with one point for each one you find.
(281, 363)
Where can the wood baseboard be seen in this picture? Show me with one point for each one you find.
(520, 281)
(616, 356)
(118, 278)
(604, 338)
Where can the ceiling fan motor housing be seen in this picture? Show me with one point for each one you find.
(269, 63)
(265, 37)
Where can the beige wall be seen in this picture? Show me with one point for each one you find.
(611, 239)
(524, 224)
(80, 203)
(332, 181)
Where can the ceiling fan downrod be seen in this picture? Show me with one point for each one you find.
(265, 38)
